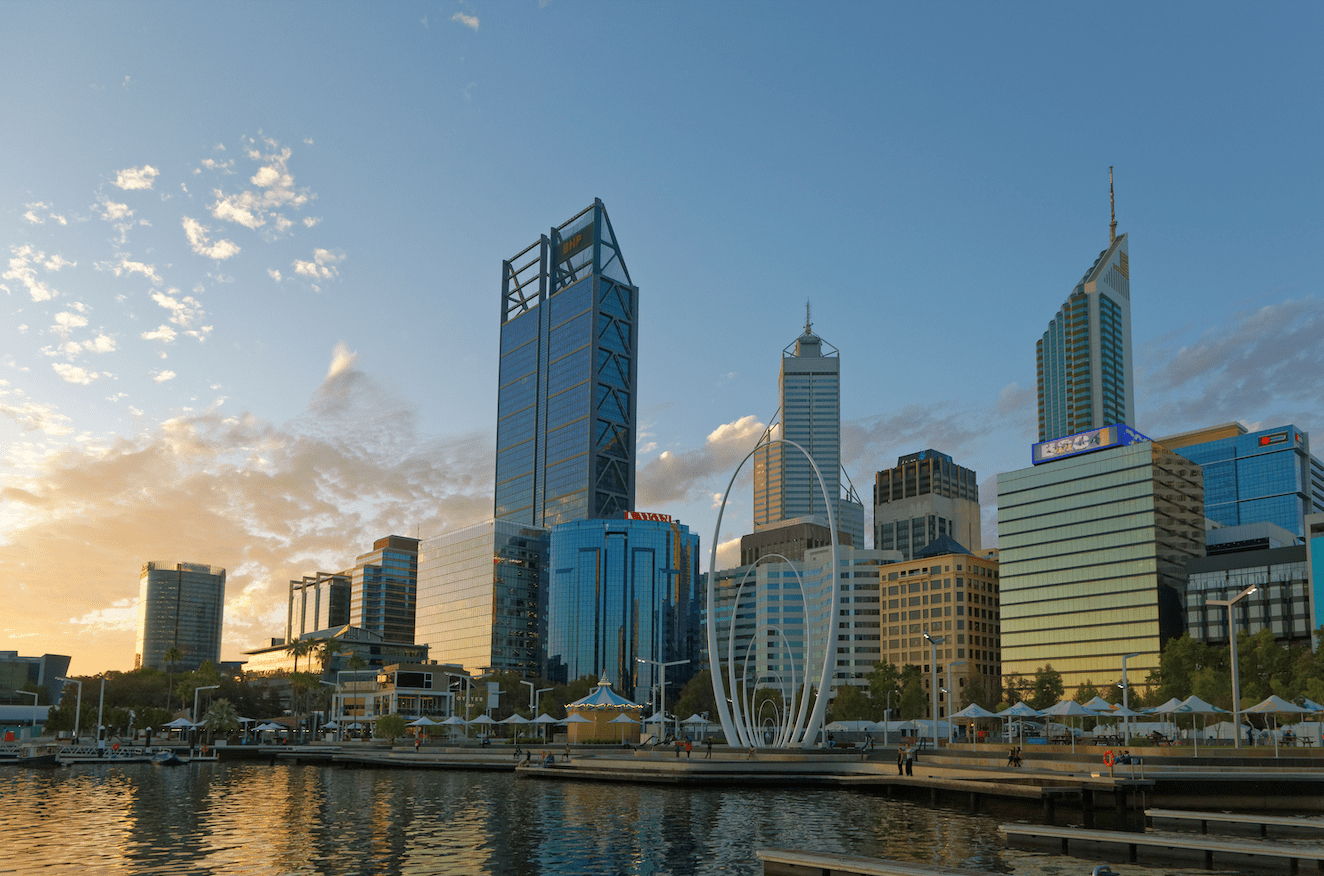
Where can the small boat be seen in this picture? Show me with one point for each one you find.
(165, 757)
(30, 754)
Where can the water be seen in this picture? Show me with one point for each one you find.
(295, 819)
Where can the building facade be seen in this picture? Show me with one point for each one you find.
(1281, 602)
(785, 487)
(1093, 544)
(345, 644)
(1315, 568)
(566, 401)
(788, 541)
(925, 496)
(480, 592)
(1268, 475)
(181, 606)
(384, 589)
(317, 602)
(1084, 358)
(621, 591)
(39, 674)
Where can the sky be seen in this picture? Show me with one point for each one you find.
(250, 253)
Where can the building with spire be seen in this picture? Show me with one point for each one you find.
(567, 386)
(785, 488)
(1084, 358)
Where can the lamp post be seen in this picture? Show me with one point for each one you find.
(1236, 679)
(951, 698)
(533, 695)
(335, 686)
(662, 687)
(78, 711)
(1126, 700)
(887, 720)
(933, 687)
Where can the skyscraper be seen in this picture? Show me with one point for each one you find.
(566, 399)
(180, 606)
(926, 496)
(785, 488)
(384, 593)
(1084, 358)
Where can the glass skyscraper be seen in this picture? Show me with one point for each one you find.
(180, 606)
(1084, 358)
(620, 591)
(1093, 549)
(926, 496)
(566, 400)
(785, 488)
(384, 592)
(1267, 476)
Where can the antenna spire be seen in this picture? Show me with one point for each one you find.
(807, 322)
(1112, 209)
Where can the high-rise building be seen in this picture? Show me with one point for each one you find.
(785, 488)
(181, 607)
(1266, 476)
(622, 591)
(317, 602)
(1281, 602)
(926, 496)
(1093, 542)
(30, 673)
(480, 596)
(566, 400)
(1084, 358)
(384, 589)
(1315, 568)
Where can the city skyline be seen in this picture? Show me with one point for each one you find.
(254, 327)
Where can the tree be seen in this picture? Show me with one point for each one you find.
(1047, 689)
(221, 718)
(356, 662)
(300, 648)
(327, 653)
(1085, 692)
(979, 690)
(885, 686)
(1014, 688)
(390, 727)
(172, 656)
(696, 697)
(914, 700)
(851, 703)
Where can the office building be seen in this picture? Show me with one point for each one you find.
(345, 642)
(567, 379)
(180, 607)
(622, 591)
(1281, 602)
(926, 496)
(954, 596)
(1315, 569)
(1084, 358)
(39, 674)
(317, 602)
(788, 541)
(480, 596)
(1093, 542)
(785, 488)
(384, 589)
(1268, 475)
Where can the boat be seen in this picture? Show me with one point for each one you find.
(165, 757)
(29, 754)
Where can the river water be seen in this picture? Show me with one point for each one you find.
(250, 818)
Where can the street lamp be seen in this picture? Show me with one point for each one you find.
(1232, 638)
(933, 686)
(1126, 700)
(951, 699)
(662, 692)
(196, 691)
(533, 695)
(78, 712)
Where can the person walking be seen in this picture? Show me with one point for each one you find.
(689, 747)
(709, 742)
(910, 761)
(900, 760)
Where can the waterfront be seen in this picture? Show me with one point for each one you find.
(291, 819)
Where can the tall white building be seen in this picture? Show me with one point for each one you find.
(785, 488)
(1084, 358)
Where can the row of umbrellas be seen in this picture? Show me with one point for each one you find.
(544, 718)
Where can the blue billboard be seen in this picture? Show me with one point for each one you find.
(1115, 435)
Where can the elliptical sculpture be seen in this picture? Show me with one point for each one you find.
(798, 727)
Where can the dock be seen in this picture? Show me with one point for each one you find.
(787, 862)
(1255, 824)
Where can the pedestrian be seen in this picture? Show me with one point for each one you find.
(677, 749)
(1250, 736)
(689, 747)
(418, 740)
(901, 760)
(566, 755)
(752, 750)
(709, 741)
(528, 753)
(910, 761)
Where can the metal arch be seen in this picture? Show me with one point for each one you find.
(729, 725)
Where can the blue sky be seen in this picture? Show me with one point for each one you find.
(250, 253)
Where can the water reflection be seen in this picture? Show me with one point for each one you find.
(291, 819)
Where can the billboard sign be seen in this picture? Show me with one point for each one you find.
(1084, 442)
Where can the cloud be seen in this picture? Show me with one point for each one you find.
(274, 190)
(31, 214)
(67, 322)
(678, 477)
(74, 374)
(198, 238)
(469, 21)
(22, 268)
(32, 417)
(322, 267)
(342, 360)
(183, 311)
(162, 333)
(136, 177)
(124, 266)
(273, 274)
(269, 502)
(103, 343)
(163, 376)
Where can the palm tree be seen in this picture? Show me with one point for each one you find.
(221, 717)
(327, 652)
(299, 648)
(172, 656)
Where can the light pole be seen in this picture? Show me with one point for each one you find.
(1236, 680)
(78, 711)
(335, 685)
(533, 695)
(662, 687)
(933, 686)
(951, 699)
(1126, 700)
(196, 691)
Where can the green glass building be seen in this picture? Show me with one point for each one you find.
(1093, 544)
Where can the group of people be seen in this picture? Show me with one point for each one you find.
(905, 757)
(1014, 756)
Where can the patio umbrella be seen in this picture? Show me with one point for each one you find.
(182, 724)
(1098, 704)
(622, 719)
(1069, 709)
(972, 712)
(1276, 705)
(1196, 706)
(545, 719)
(515, 719)
(1020, 710)
(575, 718)
(424, 721)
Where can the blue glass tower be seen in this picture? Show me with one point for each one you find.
(566, 402)
(621, 590)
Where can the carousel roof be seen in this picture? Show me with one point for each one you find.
(603, 697)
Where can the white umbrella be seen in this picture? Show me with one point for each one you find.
(575, 718)
(1020, 710)
(182, 724)
(972, 712)
(483, 719)
(545, 719)
(424, 721)
(515, 719)
(1277, 706)
(622, 719)
(695, 719)
(456, 721)
(1099, 704)
(1069, 709)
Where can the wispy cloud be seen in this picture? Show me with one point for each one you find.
(199, 238)
(39, 213)
(273, 191)
(23, 269)
(322, 267)
(70, 373)
(163, 376)
(136, 177)
(469, 21)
